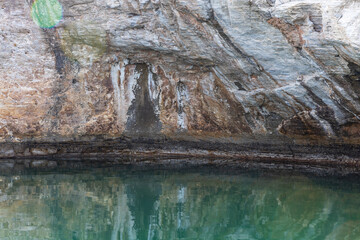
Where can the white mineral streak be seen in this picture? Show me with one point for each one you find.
(181, 194)
(115, 77)
(123, 219)
(124, 86)
(153, 89)
(128, 85)
(182, 99)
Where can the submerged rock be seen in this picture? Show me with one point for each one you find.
(271, 72)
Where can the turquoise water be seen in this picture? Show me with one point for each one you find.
(187, 204)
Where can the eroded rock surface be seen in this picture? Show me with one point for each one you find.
(265, 71)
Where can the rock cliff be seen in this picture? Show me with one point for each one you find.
(273, 72)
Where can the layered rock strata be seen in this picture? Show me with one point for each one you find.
(249, 72)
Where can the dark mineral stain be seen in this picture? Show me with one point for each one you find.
(142, 119)
(328, 115)
(53, 41)
(142, 198)
(316, 19)
(354, 77)
(313, 96)
(272, 121)
(239, 86)
(355, 71)
(62, 66)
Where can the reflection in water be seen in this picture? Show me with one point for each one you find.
(119, 204)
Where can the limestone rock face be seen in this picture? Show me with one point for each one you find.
(268, 71)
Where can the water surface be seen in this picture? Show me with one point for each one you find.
(189, 204)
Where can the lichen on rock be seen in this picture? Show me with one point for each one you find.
(83, 37)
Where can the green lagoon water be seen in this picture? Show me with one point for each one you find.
(189, 204)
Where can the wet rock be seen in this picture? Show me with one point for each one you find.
(52, 164)
(7, 151)
(38, 151)
(43, 151)
(39, 163)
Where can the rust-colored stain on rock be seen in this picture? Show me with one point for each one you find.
(268, 73)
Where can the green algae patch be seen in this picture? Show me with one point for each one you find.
(83, 42)
(46, 13)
